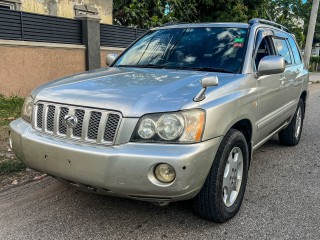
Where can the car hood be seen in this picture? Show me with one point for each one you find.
(132, 91)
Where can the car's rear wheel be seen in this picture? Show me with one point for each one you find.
(292, 134)
(221, 196)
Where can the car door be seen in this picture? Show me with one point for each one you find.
(288, 91)
(299, 73)
(269, 90)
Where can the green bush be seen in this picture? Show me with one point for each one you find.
(315, 59)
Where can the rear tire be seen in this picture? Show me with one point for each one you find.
(292, 134)
(221, 196)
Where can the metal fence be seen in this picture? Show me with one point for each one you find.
(118, 36)
(16, 25)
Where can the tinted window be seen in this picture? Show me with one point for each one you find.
(263, 50)
(296, 53)
(210, 48)
(282, 49)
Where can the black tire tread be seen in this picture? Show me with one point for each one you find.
(201, 203)
(287, 136)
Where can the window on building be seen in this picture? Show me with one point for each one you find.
(85, 10)
(4, 5)
(10, 4)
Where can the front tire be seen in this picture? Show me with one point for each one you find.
(221, 196)
(292, 134)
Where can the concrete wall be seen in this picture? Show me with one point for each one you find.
(65, 8)
(26, 65)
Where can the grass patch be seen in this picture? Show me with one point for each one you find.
(8, 166)
(10, 108)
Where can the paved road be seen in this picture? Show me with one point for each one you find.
(282, 201)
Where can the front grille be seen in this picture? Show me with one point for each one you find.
(94, 125)
(110, 130)
(91, 125)
(63, 112)
(77, 131)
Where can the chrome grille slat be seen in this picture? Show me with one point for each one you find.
(44, 117)
(93, 125)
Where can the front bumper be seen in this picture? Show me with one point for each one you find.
(123, 170)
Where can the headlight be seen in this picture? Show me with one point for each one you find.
(181, 127)
(147, 128)
(27, 108)
(170, 126)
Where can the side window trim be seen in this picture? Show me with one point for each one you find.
(260, 34)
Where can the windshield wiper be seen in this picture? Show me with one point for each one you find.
(141, 66)
(207, 69)
(211, 69)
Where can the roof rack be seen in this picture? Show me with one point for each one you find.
(260, 20)
(174, 23)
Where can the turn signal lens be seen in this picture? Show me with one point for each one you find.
(194, 125)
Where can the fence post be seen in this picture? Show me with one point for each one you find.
(91, 39)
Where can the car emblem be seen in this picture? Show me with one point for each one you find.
(70, 121)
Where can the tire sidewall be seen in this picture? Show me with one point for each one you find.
(300, 105)
(236, 140)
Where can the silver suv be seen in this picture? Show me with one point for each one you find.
(176, 116)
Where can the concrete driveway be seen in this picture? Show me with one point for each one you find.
(282, 201)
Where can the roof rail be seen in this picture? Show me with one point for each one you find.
(260, 20)
(174, 23)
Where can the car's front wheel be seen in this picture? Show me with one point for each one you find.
(221, 196)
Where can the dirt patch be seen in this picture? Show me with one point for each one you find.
(13, 172)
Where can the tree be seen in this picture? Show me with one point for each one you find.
(146, 14)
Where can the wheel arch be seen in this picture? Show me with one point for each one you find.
(245, 127)
(304, 96)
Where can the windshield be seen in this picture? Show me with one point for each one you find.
(209, 49)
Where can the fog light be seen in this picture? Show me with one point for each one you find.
(165, 173)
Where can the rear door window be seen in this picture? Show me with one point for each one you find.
(295, 51)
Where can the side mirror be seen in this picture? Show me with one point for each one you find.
(210, 81)
(111, 57)
(271, 65)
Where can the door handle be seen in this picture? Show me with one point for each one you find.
(297, 71)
